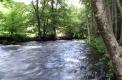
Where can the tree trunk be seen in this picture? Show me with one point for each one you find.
(119, 6)
(53, 18)
(108, 36)
(45, 19)
(120, 9)
(115, 20)
(93, 22)
(37, 15)
(45, 29)
(38, 26)
(87, 22)
(38, 18)
(109, 13)
(120, 42)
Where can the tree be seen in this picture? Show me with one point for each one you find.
(120, 9)
(108, 36)
(37, 15)
(44, 18)
(15, 21)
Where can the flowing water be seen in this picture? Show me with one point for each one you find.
(51, 60)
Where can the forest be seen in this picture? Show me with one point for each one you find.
(97, 22)
(41, 23)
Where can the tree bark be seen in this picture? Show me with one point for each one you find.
(120, 9)
(108, 36)
(115, 20)
(120, 41)
(87, 22)
(109, 13)
(88, 26)
(119, 6)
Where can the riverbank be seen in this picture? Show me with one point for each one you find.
(98, 44)
(19, 39)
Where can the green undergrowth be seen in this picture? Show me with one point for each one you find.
(14, 39)
(98, 43)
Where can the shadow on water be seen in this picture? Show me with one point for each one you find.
(51, 60)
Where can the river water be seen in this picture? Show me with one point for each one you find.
(51, 60)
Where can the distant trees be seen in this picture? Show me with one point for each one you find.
(14, 21)
(45, 19)
(52, 20)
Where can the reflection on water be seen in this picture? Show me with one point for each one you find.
(52, 60)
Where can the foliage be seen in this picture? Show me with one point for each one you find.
(98, 43)
(22, 17)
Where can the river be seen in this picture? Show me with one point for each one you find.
(51, 60)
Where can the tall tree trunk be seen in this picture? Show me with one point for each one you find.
(120, 9)
(37, 15)
(119, 6)
(108, 36)
(44, 20)
(115, 20)
(89, 34)
(88, 22)
(53, 18)
(109, 13)
(45, 29)
(112, 13)
(93, 22)
(38, 18)
(120, 41)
